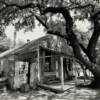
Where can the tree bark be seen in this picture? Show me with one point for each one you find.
(91, 52)
(95, 69)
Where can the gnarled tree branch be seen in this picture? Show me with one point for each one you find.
(93, 40)
(73, 39)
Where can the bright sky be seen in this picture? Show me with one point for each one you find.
(31, 35)
(83, 25)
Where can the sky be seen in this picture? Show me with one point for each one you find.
(83, 25)
(24, 36)
(38, 31)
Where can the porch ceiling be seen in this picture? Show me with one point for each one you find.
(26, 56)
(55, 52)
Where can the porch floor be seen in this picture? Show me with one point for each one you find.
(56, 87)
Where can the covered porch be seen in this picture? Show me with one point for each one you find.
(35, 63)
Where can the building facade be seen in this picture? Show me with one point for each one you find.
(35, 62)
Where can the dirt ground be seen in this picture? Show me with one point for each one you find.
(71, 94)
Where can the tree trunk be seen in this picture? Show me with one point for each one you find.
(91, 52)
(95, 83)
(95, 69)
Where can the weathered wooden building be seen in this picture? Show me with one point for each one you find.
(35, 61)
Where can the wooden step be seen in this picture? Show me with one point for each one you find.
(47, 87)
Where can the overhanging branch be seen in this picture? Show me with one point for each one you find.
(20, 6)
(83, 48)
(48, 30)
(17, 6)
(57, 34)
(95, 13)
(41, 21)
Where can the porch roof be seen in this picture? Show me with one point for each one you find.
(30, 47)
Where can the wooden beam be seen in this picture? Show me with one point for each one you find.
(62, 74)
(57, 74)
(42, 66)
(38, 51)
(15, 35)
(47, 87)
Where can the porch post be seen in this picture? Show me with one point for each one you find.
(62, 74)
(38, 59)
(42, 66)
(57, 74)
